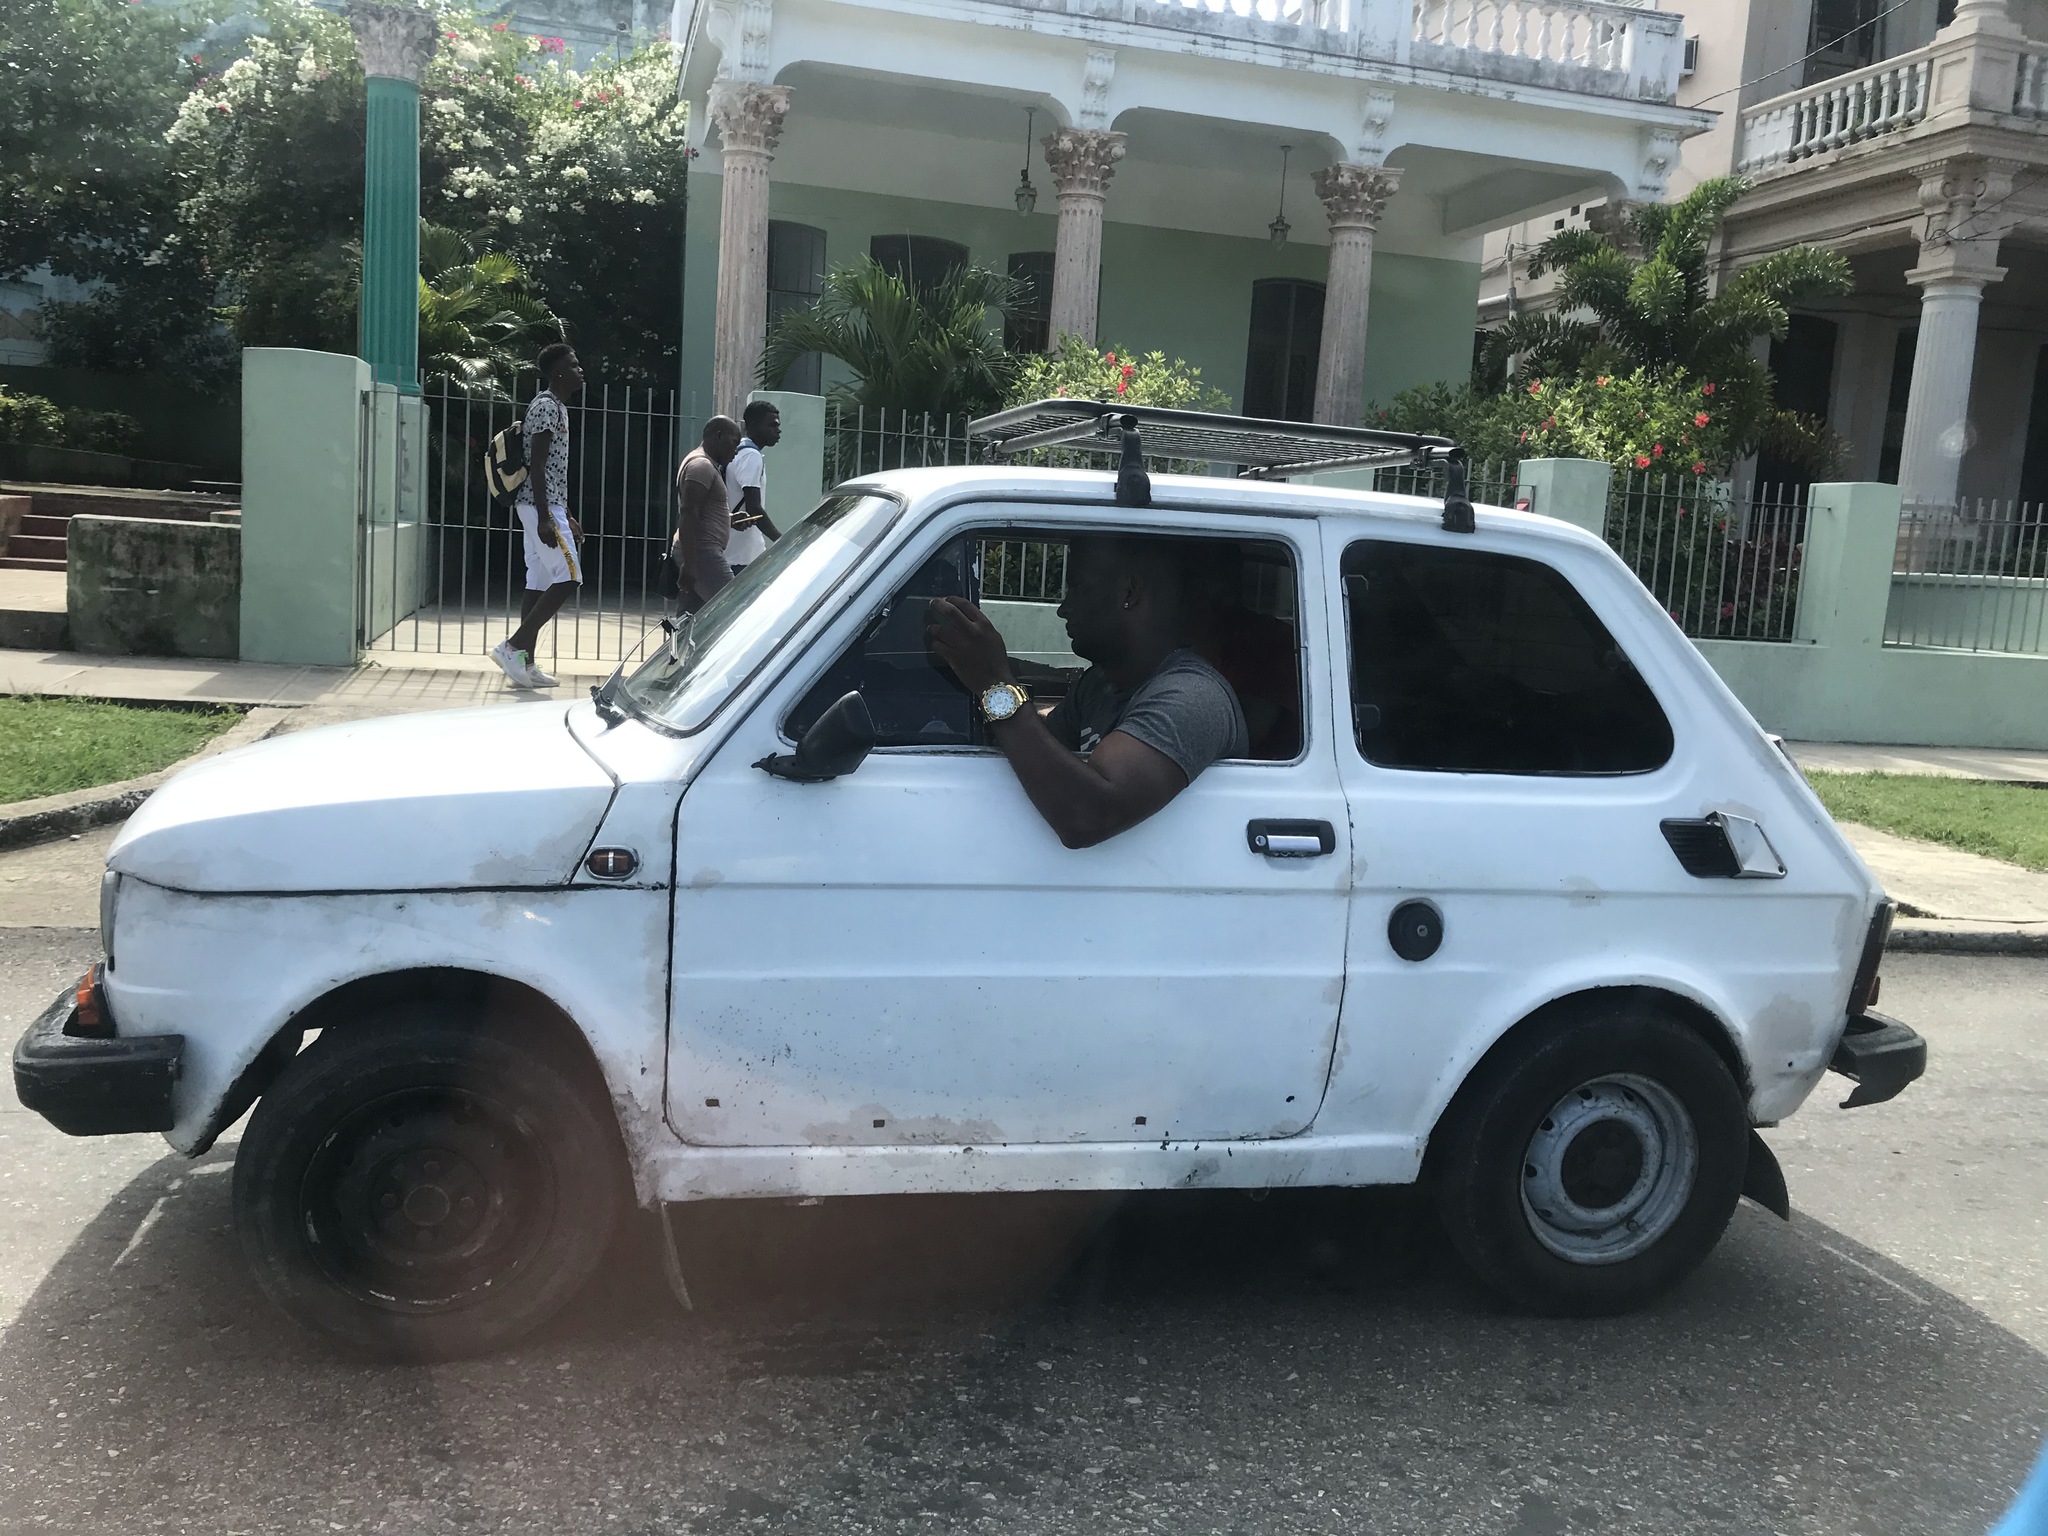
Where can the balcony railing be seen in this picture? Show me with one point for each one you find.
(1879, 100)
(2030, 88)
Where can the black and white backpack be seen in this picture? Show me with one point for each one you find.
(505, 464)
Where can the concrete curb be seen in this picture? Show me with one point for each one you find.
(1968, 939)
(80, 810)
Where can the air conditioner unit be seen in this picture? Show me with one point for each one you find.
(1692, 57)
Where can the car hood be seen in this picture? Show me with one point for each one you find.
(501, 796)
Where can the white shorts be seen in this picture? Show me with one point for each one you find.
(548, 565)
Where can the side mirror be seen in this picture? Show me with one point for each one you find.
(838, 742)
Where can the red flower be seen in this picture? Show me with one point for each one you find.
(1727, 610)
(1121, 386)
(1642, 461)
(1129, 369)
(1549, 422)
(1706, 389)
(1536, 388)
(1109, 357)
(1522, 438)
(1657, 449)
(1699, 467)
(450, 36)
(499, 26)
(1603, 381)
(1701, 419)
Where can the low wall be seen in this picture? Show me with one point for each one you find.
(154, 587)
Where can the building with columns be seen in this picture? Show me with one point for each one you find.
(1124, 159)
(1914, 140)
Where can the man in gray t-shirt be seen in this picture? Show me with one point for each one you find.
(1145, 719)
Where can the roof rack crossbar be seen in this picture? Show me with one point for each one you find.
(1262, 449)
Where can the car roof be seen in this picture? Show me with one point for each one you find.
(931, 488)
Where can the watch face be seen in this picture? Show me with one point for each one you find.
(1000, 702)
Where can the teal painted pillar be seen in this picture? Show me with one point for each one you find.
(1573, 490)
(394, 43)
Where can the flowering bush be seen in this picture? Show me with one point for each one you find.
(1115, 374)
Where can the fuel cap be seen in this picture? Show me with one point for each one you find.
(1415, 930)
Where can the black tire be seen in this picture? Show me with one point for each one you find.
(418, 1188)
(1600, 1218)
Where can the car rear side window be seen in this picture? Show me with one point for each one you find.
(1466, 661)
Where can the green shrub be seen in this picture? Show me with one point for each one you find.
(1116, 375)
(100, 431)
(29, 420)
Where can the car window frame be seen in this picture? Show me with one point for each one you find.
(1300, 534)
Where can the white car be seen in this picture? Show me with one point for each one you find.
(1512, 896)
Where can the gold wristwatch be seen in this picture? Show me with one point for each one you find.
(1004, 701)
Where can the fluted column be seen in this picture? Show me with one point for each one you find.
(394, 43)
(749, 122)
(1081, 161)
(1963, 202)
(1354, 196)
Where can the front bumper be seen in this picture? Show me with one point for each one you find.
(95, 1085)
(1882, 1055)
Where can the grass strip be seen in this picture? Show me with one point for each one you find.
(50, 746)
(1999, 821)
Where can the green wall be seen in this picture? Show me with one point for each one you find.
(1187, 295)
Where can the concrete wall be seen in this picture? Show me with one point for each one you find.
(149, 587)
(301, 488)
(1174, 291)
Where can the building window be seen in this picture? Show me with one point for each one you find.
(922, 262)
(1028, 327)
(1843, 35)
(1286, 344)
(796, 276)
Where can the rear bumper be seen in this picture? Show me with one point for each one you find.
(1882, 1055)
(95, 1085)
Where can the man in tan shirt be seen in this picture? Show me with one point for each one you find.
(704, 522)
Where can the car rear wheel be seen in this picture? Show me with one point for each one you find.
(420, 1188)
(1587, 1167)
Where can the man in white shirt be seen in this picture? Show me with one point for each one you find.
(751, 529)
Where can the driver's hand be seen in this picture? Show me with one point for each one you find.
(962, 637)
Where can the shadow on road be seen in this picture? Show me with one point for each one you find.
(1189, 1363)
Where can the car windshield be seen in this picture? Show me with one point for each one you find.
(682, 684)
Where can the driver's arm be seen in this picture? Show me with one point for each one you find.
(1085, 800)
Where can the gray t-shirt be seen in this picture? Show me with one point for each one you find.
(1185, 710)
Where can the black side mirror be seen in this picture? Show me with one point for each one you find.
(838, 742)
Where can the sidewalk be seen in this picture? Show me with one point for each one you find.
(2012, 765)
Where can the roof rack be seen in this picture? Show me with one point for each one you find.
(1262, 450)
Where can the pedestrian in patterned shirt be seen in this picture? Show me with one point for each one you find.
(554, 567)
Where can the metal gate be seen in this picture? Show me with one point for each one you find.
(444, 570)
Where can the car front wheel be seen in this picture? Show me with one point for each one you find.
(1587, 1168)
(421, 1188)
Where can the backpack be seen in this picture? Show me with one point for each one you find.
(505, 464)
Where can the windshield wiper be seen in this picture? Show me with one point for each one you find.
(605, 696)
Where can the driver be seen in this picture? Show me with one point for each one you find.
(1144, 719)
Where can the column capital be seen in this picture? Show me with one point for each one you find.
(749, 116)
(1660, 154)
(1355, 196)
(1964, 216)
(394, 41)
(1082, 160)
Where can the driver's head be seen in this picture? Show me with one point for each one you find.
(1125, 593)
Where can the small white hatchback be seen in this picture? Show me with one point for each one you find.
(1510, 895)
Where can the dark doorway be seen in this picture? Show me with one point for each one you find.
(2034, 463)
(1286, 345)
(1028, 327)
(921, 261)
(796, 276)
(1894, 446)
(1802, 380)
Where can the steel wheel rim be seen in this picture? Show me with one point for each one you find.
(422, 1200)
(1609, 1170)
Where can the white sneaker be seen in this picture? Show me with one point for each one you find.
(509, 663)
(535, 678)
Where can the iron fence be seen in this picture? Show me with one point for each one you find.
(1723, 562)
(1491, 482)
(860, 440)
(1970, 577)
(451, 577)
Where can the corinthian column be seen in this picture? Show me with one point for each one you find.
(1353, 196)
(1081, 161)
(749, 121)
(394, 43)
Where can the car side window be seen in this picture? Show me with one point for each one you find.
(1467, 661)
(1244, 622)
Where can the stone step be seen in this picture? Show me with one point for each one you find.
(29, 563)
(36, 546)
(44, 525)
(31, 629)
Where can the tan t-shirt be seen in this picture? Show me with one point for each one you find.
(705, 526)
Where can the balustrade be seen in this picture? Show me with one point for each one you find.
(1845, 110)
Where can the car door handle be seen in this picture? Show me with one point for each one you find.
(1290, 839)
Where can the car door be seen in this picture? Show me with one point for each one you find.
(907, 954)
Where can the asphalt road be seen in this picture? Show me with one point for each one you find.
(1306, 1363)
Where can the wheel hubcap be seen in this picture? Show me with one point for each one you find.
(422, 1198)
(1609, 1170)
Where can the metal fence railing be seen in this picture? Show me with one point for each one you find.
(861, 440)
(1971, 577)
(452, 579)
(1723, 561)
(1490, 482)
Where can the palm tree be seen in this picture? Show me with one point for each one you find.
(479, 318)
(1618, 311)
(910, 349)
